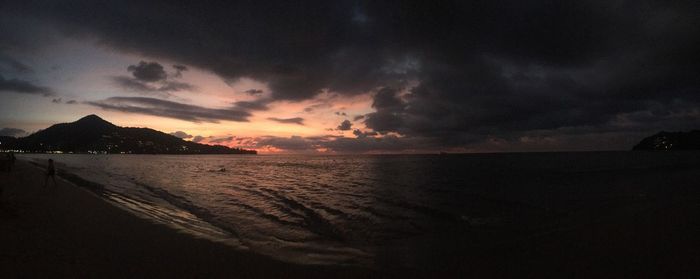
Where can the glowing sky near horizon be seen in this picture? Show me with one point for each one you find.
(91, 79)
(353, 76)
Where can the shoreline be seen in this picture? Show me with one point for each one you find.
(648, 227)
(215, 234)
(67, 230)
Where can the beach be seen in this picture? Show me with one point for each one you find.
(647, 225)
(66, 231)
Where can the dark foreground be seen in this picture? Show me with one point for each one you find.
(648, 226)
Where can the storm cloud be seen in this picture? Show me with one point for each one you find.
(447, 73)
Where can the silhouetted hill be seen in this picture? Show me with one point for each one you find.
(671, 141)
(92, 134)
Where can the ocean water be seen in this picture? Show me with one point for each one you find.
(388, 210)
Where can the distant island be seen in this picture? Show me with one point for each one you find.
(671, 141)
(92, 134)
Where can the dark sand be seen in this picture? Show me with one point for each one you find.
(648, 227)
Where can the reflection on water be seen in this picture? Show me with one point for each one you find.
(374, 209)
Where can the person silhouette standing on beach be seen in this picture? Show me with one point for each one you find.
(12, 159)
(50, 172)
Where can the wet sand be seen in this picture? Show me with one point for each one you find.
(647, 227)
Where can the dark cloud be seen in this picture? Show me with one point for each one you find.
(56, 100)
(454, 73)
(170, 109)
(178, 70)
(358, 117)
(71, 102)
(294, 143)
(172, 86)
(150, 77)
(181, 134)
(345, 125)
(148, 71)
(253, 92)
(297, 50)
(340, 113)
(319, 104)
(12, 132)
(390, 109)
(21, 86)
(361, 134)
(132, 84)
(260, 104)
(372, 144)
(293, 120)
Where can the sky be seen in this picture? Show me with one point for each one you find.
(357, 76)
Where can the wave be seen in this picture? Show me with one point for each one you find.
(178, 212)
(181, 214)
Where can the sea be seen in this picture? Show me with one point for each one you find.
(370, 210)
